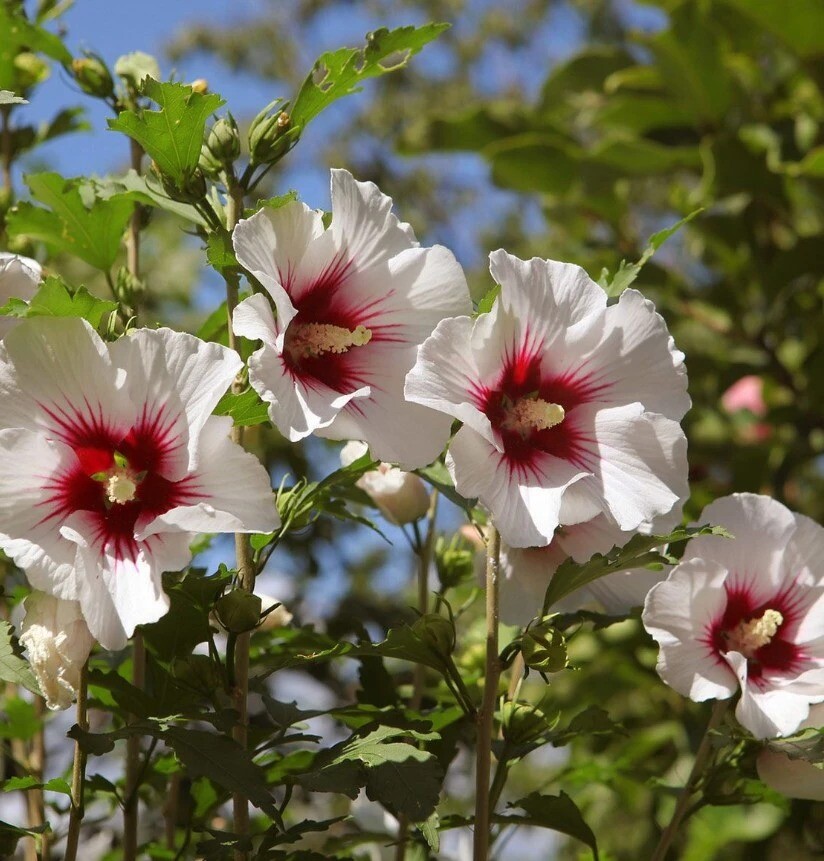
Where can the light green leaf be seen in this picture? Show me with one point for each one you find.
(12, 667)
(245, 408)
(628, 272)
(148, 191)
(54, 299)
(172, 136)
(76, 221)
(339, 73)
(219, 250)
(20, 34)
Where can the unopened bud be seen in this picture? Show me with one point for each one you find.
(29, 69)
(523, 723)
(268, 139)
(199, 672)
(93, 76)
(454, 561)
(191, 190)
(223, 140)
(200, 85)
(544, 649)
(238, 611)
(437, 632)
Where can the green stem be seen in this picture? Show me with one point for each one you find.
(486, 715)
(701, 757)
(78, 772)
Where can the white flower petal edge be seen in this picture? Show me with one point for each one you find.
(19, 279)
(352, 303)
(563, 420)
(57, 643)
(745, 614)
(794, 778)
(111, 460)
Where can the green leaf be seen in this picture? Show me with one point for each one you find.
(245, 408)
(8, 98)
(219, 251)
(438, 476)
(19, 34)
(628, 272)
(76, 220)
(53, 299)
(395, 772)
(12, 667)
(639, 552)
(558, 812)
(488, 301)
(223, 761)
(339, 73)
(172, 136)
(148, 191)
(21, 720)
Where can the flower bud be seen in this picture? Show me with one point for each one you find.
(544, 648)
(134, 68)
(454, 561)
(199, 672)
(436, 631)
(401, 496)
(29, 69)
(523, 723)
(223, 140)
(200, 85)
(267, 133)
(238, 611)
(93, 76)
(58, 643)
(191, 190)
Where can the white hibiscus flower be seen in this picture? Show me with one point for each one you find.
(19, 277)
(570, 407)
(746, 614)
(110, 459)
(352, 304)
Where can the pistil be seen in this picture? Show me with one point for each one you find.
(533, 414)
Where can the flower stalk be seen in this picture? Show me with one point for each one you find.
(486, 715)
(78, 772)
(701, 758)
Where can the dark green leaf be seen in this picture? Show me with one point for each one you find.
(558, 812)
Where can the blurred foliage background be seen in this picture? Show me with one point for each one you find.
(488, 139)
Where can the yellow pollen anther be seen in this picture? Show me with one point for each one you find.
(120, 488)
(749, 636)
(314, 339)
(528, 414)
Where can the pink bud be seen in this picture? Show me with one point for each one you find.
(745, 394)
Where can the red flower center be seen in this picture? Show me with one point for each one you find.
(759, 631)
(118, 479)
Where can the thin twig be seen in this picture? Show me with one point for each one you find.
(78, 772)
(486, 715)
(701, 757)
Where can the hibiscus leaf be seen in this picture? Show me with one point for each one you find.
(53, 299)
(558, 812)
(245, 408)
(19, 34)
(172, 136)
(223, 761)
(76, 221)
(219, 250)
(12, 667)
(339, 73)
(628, 272)
(149, 191)
(438, 476)
(639, 552)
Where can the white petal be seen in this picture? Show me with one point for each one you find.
(28, 464)
(755, 558)
(446, 373)
(272, 245)
(234, 485)
(545, 292)
(526, 575)
(525, 509)
(794, 778)
(637, 360)
(677, 614)
(19, 277)
(363, 225)
(353, 450)
(56, 369)
(638, 461)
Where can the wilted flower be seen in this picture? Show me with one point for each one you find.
(795, 778)
(570, 407)
(746, 614)
(58, 643)
(353, 303)
(19, 277)
(401, 496)
(110, 459)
